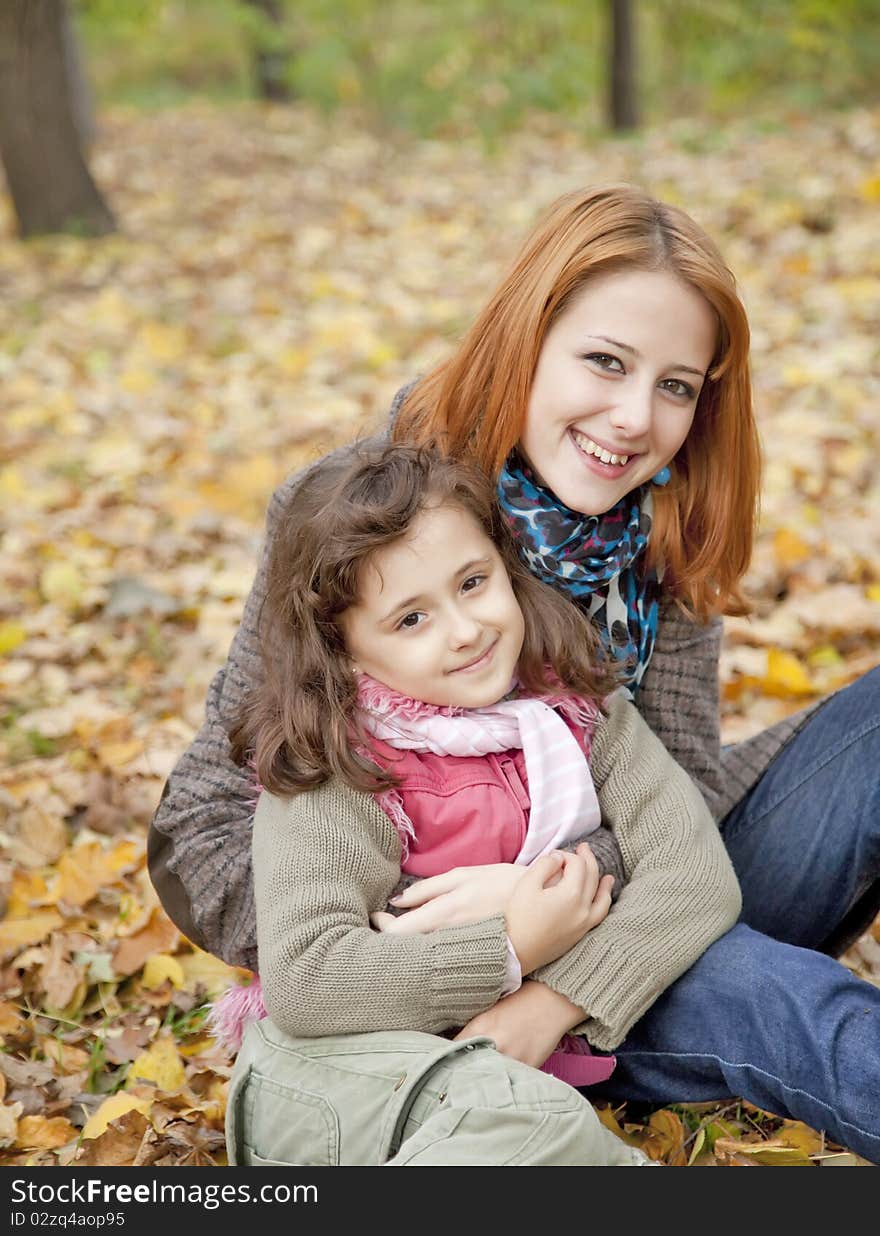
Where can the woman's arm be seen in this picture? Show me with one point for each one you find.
(323, 862)
(682, 892)
(678, 697)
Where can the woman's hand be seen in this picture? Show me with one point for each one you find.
(462, 895)
(526, 1025)
(559, 899)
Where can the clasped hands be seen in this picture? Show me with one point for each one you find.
(547, 906)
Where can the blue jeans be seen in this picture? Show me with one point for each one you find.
(762, 1015)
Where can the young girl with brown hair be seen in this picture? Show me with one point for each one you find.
(612, 358)
(426, 705)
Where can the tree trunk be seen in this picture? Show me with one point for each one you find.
(80, 91)
(270, 56)
(51, 187)
(623, 87)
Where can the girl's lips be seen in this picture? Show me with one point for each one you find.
(483, 659)
(596, 464)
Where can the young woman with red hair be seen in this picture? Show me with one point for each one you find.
(605, 389)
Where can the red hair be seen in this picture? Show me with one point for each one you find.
(474, 405)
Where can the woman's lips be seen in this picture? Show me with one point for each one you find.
(483, 659)
(596, 464)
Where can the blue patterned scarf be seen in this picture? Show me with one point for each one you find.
(593, 558)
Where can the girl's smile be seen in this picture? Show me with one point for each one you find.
(437, 618)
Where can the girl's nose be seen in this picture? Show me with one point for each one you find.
(463, 630)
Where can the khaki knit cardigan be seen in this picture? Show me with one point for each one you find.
(324, 860)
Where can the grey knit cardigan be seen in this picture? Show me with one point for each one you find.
(199, 844)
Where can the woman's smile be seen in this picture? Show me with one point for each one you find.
(616, 386)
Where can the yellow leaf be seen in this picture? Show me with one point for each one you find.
(44, 1132)
(786, 675)
(197, 1047)
(16, 934)
(116, 754)
(202, 969)
(87, 867)
(293, 361)
(801, 1137)
(12, 483)
(62, 584)
(160, 967)
(137, 381)
(607, 1117)
(789, 549)
(771, 1153)
(870, 189)
(111, 1109)
(668, 1140)
(873, 592)
(12, 634)
(161, 1064)
(10, 1018)
(165, 343)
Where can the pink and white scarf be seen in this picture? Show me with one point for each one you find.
(563, 798)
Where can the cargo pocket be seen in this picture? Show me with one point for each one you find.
(284, 1125)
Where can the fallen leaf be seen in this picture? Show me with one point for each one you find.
(161, 1064)
(159, 935)
(40, 1133)
(111, 1109)
(162, 966)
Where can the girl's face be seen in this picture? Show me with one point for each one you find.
(616, 386)
(437, 618)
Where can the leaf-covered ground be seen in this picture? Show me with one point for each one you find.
(277, 277)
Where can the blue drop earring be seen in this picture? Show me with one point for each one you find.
(663, 477)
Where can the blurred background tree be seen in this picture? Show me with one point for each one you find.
(463, 66)
(46, 121)
(450, 69)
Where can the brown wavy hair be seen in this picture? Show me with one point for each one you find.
(474, 404)
(299, 725)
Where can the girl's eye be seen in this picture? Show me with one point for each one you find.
(410, 621)
(605, 361)
(675, 386)
(472, 582)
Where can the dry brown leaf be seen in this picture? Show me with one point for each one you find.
(158, 936)
(40, 1133)
(127, 1142)
(9, 1114)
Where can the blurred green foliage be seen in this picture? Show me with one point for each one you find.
(451, 66)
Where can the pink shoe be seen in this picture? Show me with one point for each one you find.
(573, 1062)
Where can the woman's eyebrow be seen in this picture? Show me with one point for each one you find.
(627, 347)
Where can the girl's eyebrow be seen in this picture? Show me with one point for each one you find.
(627, 347)
(412, 601)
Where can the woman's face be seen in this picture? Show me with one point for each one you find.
(616, 386)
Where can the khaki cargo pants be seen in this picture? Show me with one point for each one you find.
(404, 1098)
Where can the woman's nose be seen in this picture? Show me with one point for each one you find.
(633, 411)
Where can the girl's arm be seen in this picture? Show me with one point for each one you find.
(325, 860)
(322, 862)
(682, 892)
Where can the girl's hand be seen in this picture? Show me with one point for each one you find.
(528, 1024)
(558, 900)
(462, 895)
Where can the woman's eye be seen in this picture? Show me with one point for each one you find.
(409, 621)
(605, 361)
(472, 582)
(675, 386)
